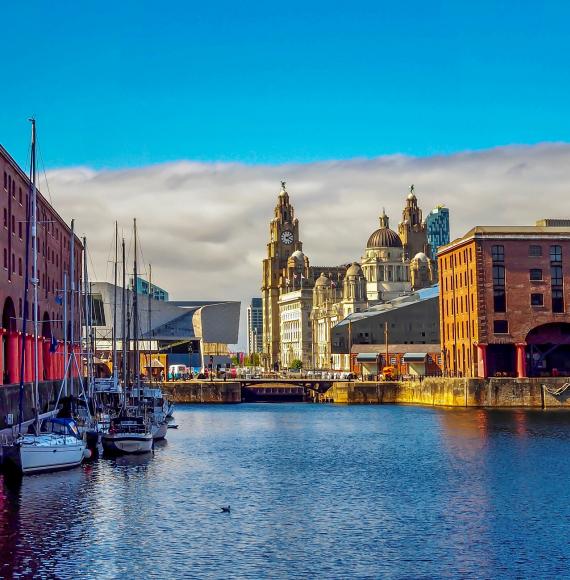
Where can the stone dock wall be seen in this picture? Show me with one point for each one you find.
(449, 392)
(10, 397)
(206, 392)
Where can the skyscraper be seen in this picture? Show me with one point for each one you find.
(437, 223)
(255, 326)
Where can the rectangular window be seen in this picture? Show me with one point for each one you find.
(556, 275)
(498, 253)
(5, 218)
(537, 299)
(20, 230)
(499, 276)
(557, 301)
(499, 301)
(535, 274)
(534, 251)
(556, 253)
(5, 258)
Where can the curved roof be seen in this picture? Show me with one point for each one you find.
(354, 270)
(384, 238)
(421, 256)
(323, 280)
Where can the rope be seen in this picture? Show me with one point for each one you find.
(556, 391)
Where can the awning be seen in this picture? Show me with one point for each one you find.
(415, 357)
(155, 364)
(366, 357)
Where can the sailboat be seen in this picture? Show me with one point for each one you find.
(53, 443)
(130, 433)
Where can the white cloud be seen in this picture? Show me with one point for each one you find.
(204, 226)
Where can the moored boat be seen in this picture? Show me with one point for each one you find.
(128, 435)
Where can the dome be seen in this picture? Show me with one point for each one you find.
(421, 257)
(323, 281)
(298, 255)
(354, 270)
(411, 196)
(384, 238)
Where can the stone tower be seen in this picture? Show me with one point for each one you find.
(412, 229)
(283, 241)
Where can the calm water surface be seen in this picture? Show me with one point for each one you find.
(316, 491)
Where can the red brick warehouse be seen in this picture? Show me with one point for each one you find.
(53, 261)
(504, 306)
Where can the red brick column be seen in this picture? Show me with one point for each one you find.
(521, 359)
(29, 360)
(2, 366)
(12, 348)
(482, 361)
(40, 369)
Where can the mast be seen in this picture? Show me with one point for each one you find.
(114, 333)
(72, 305)
(136, 317)
(149, 323)
(35, 279)
(87, 322)
(124, 320)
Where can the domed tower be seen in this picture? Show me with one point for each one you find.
(412, 229)
(383, 264)
(283, 242)
(322, 290)
(421, 272)
(354, 290)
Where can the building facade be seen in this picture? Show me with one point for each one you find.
(255, 326)
(437, 224)
(146, 288)
(504, 303)
(393, 265)
(296, 339)
(56, 246)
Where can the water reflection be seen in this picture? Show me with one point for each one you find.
(316, 491)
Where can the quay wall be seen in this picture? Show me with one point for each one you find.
(454, 392)
(205, 392)
(10, 397)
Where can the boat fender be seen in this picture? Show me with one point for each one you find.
(87, 453)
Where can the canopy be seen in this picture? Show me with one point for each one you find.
(366, 357)
(418, 357)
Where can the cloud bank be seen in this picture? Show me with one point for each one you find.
(204, 226)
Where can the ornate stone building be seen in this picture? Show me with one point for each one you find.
(302, 303)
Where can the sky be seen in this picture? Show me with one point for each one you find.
(186, 115)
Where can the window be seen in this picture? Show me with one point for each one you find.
(556, 253)
(20, 195)
(556, 275)
(20, 230)
(5, 259)
(5, 218)
(13, 225)
(535, 274)
(557, 301)
(499, 276)
(535, 251)
(499, 300)
(498, 253)
(5, 180)
(20, 266)
(537, 299)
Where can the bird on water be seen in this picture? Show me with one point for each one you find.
(226, 509)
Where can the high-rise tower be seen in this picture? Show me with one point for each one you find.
(283, 241)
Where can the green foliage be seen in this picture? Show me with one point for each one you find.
(252, 360)
(235, 360)
(296, 364)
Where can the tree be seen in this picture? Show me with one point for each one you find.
(296, 364)
(235, 360)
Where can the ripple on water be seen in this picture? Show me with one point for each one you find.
(316, 491)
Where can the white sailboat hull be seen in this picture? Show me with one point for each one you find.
(159, 430)
(36, 454)
(120, 443)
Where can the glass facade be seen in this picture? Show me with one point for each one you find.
(437, 224)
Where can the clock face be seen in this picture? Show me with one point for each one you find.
(287, 238)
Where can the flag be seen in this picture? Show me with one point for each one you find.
(54, 344)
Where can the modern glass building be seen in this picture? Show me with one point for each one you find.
(437, 223)
(254, 326)
(156, 292)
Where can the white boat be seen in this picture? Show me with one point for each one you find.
(127, 435)
(159, 430)
(57, 446)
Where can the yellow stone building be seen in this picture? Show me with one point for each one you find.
(301, 303)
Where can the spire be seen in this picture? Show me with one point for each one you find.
(384, 220)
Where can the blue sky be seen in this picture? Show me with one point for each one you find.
(129, 83)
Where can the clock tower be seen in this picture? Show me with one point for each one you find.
(283, 241)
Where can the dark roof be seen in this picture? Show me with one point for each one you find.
(396, 348)
(384, 238)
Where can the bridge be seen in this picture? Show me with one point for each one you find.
(316, 385)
